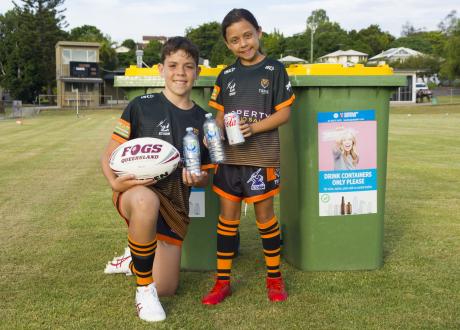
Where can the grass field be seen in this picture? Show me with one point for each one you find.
(59, 228)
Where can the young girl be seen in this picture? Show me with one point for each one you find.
(258, 90)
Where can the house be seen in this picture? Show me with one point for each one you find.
(406, 94)
(77, 74)
(160, 39)
(291, 60)
(344, 57)
(122, 50)
(395, 54)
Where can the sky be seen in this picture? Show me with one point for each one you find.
(132, 19)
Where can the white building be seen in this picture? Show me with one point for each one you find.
(292, 59)
(395, 54)
(344, 57)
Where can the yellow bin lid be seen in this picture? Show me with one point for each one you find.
(329, 69)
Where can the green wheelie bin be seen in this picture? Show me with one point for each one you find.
(333, 166)
(199, 247)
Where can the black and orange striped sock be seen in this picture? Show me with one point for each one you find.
(226, 242)
(142, 255)
(271, 242)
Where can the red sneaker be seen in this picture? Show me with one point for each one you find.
(276, 290)
(219, 292)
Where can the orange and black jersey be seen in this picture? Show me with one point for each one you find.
(153, 115)
(254, 93)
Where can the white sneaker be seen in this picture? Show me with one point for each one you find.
(148, 305)
(120, 264)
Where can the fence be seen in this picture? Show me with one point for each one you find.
(447, 95)
(15, 109)
(47, 100)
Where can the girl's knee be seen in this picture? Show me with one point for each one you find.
(166, 289)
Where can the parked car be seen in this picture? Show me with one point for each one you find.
(422, 91)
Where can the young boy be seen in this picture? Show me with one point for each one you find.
(157, 212)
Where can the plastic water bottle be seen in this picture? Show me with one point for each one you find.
(213, 139)
(192, 152)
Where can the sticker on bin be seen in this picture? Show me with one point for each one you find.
(347, 162)
(197, 203)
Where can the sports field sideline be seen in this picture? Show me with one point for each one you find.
(59, 229)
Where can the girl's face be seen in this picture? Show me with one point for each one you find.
(242, 39)
(347, 144)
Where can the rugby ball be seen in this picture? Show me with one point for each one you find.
(146, 158)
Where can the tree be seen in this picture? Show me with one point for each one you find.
(210, 43)
(430, 42)
(107, 56)
(152, 52)
(129, 43)
(408, 29)
(298, 45)
(449, 23)
(88, 33)
(128, 58)
(318, 17)
(424, 63)
(273, 44)
(451, 66)
(375, 38)
(328, 38)
(29, 35)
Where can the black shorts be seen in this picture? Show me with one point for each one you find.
(249, 183)
(164, 231)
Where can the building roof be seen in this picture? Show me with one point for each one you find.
(291, 59)
(146, 39)
(122, 49)
(83, 80)
(396, 52)
(349, 52)
(78, 44)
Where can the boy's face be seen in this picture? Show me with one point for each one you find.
(179, 72)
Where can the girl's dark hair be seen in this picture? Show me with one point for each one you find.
(236, 15)
(174, 44)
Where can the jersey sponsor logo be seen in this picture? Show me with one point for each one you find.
(229, 70)
(231, 87)
(215, 93)
(147, 96)
(277, 176)
(270, 67)
(288, 86)
(264, 83)
(122, 128)
(164, 127)
(257, 180)
(251, 116)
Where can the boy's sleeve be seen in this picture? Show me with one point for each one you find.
(123, 128)
(282, 93)
(216, 100)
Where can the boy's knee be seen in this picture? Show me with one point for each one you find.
(145, 202)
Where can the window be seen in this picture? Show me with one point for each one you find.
(78, 55)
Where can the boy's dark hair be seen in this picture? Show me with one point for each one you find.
(236, 15)
(174, 44)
